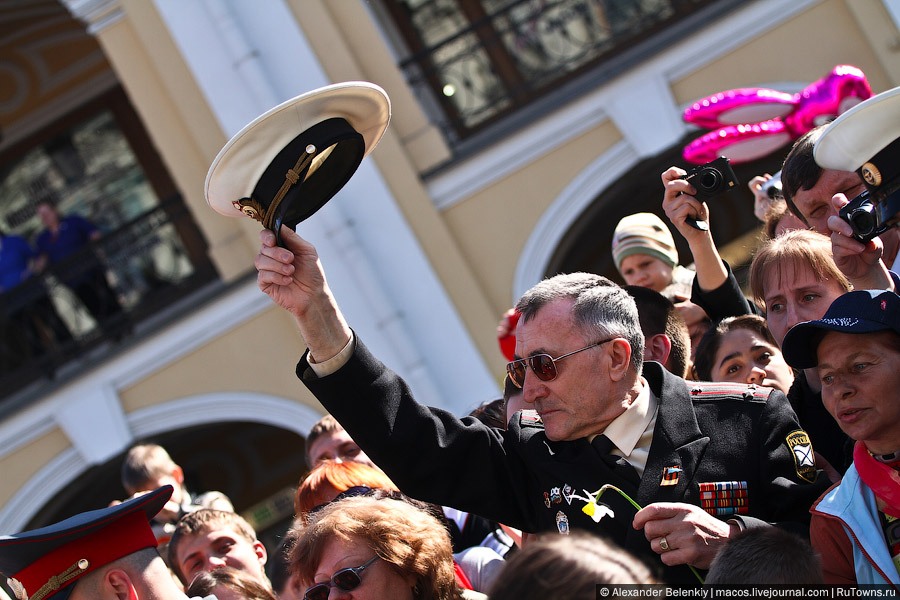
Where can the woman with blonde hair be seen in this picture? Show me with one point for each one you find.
(376, 548)
(795, 279)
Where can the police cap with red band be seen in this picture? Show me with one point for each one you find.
(48, 562)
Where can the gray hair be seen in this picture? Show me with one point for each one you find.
(601, 308)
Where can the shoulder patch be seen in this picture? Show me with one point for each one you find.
(801, 448)
(720, 390)
(530, 418)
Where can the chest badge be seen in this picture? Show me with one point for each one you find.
(562, 523)
(670, 475)
(804, 459)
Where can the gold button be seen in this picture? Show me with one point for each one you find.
(871, 174)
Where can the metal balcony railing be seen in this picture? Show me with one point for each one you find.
(480, 60)
(93, 302)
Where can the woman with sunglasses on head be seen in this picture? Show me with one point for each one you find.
(476, 566)
(376, 549)
(329, 479)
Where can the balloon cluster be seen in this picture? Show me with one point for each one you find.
(750, 123)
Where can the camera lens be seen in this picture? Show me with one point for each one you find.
(710, 180)
(863, 221)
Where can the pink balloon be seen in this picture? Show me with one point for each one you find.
(744, 105)
(754, 122)
(825, 99)
(740, 143)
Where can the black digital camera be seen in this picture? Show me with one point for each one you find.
(861, 214)
(712, 179)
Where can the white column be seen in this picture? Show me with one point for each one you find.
(249, 56)
(91, 415)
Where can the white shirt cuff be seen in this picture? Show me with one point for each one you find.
(327, 367)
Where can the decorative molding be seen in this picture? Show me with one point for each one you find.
(219, 407)
(24, 428)
(96, 14)
(567, 207)
(177, 414)
(40, 489)
(93, 418)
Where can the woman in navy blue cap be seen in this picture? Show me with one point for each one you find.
(856, 348)
(106, 554)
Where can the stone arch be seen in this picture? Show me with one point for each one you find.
(204, 409)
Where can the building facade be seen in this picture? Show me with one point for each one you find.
(521, 132)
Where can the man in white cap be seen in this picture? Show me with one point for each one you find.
(866, 140)
(831, 160)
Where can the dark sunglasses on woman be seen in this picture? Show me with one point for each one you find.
(346, 579)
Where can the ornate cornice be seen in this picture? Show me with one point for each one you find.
(96, 14)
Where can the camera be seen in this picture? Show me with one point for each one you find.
(772, 187)
(712, 179)
(861, 214)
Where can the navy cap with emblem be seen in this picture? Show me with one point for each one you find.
(866, 139)
(288, 162)
(48, 562)
(859, 311)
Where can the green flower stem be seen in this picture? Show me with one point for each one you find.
(637, 506)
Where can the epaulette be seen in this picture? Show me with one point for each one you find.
(722, 390)
(530, 418)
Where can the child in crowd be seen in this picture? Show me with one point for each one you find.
(645, 255)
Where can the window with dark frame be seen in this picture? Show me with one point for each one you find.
(481, 60)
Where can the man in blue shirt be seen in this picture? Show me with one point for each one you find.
(66, 245)
(29, 316)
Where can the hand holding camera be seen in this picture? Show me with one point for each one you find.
(858, 257)
(710, 180)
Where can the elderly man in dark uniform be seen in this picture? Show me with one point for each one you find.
(106, 554)
(704, 460)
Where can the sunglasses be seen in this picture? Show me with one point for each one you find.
(360, 490)
(346, 579)
(543, 365)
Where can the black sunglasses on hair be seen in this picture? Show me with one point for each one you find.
(346, 579)
(543, 365)
(360, 490)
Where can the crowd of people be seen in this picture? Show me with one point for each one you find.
(672, 431)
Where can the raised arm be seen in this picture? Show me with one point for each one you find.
(294, 278)
(679, 205)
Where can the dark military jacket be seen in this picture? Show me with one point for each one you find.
(741, 437)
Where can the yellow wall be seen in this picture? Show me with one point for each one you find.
(493, 226)
(257, 356)
(803, 49)
(20, 466)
